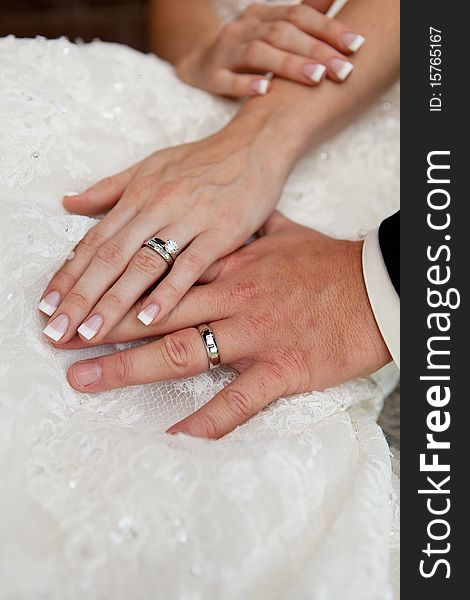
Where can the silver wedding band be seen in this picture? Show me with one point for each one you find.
(210, 344)
(167, 250)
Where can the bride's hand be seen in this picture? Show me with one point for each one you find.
(289, 312)
(209, 196)
(298, 43)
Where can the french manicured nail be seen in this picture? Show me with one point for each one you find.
(56, 328)
(341, 68)
(352, 41)
(49, 303)
(86, 373)
(148, 314)
(314, 72)
(260, 86)
(91, 326)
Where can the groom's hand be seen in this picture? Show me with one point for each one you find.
(290, 313)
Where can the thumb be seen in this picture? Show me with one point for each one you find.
(237, 85)
(102, 196)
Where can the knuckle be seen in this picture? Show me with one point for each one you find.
(276, 371)
(174, 288)
(170, 189)
(239, 403)
(176, 351)
(331, 28)
(110, 254)
(108, 182)
(232, 29)
(292, 366)
(252, 10)
(122, 368)
(260, 321)
(208, 424)
(314, 47)
(289, 64)
(166, 197)
(64, 280)
(295, 13)
(194, 263)
(113, 301)
(278, 32)
(244, 290)
(139, 187)
(92, 240)
(78, 299)
(253, 53)
(147, 263)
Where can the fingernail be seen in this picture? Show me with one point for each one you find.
(148, 314)
(56, 328)
(91, 326)
(260, 86)
(342, 68)
(314, 72)
(49, 303)
(352, 41)
(86, 373)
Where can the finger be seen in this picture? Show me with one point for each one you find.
(322, 56)
(235, 404)
(106, 266)
(202, 304)
(236, 85)
(187, 269)
(102, 196)
(316, 24)
(69, 274)
(145, 268)
(176, 355)
(261, 56)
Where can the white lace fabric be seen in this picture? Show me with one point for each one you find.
(95, 499)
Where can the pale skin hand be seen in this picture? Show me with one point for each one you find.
(175, 31)
(211, 194)
(319, 333)
(297, 43)
(195, 194)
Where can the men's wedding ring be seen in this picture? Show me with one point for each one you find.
(167, 250)
(210, 345)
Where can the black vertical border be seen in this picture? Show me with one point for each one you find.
(422, 132)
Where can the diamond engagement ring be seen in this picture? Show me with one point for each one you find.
(160, 247)
(212, 350)
(171, 247)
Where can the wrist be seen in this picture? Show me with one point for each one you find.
(288, 118)
(267, 125)
(367, 329)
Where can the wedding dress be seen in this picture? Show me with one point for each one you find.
(95, 500)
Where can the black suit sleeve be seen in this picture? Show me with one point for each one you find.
(389, 240)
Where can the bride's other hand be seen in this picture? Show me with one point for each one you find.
(290, 313)
(209, 196)
(295, 42)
